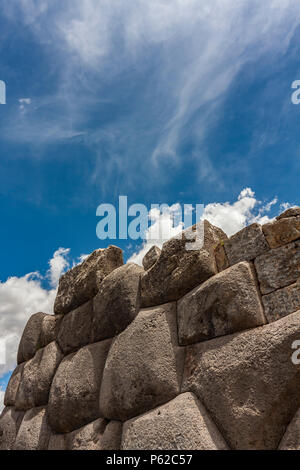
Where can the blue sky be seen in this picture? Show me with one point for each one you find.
(165, 101)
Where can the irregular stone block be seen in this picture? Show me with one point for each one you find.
(10, 421)
(246, 244)
(13, 386)
(144, 365)
(49, 329)
(151, 257)
(291, 438)
(74, 394)
(282, 302)
(292, 212)
(282, 231)
(30, 340)
(81, 283)
(76, 328)
(37, 377)
(178, 270)
(57, 442)
(118, 301)
(34, 432)
(182, 424)
(98, 435)
(248, 382)
(221, 257)
(279, 267)
(224, 304)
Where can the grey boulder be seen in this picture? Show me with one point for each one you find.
(34, 432)
(246, 244)
(10, 421)
(151, 257)
(76, 328)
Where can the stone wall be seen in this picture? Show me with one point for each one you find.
(193, 351)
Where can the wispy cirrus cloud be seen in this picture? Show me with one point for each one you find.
(195, 51)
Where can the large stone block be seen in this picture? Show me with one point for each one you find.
(248, 382)
(38, 333)
(34, 432)
(74, 394)
(282, 302)
(10, 421)
(98, 435)
(37, 377)
(279, 267)
(118, 301)
(182, 424)
(224, 304)
(151, 257)
(246, 244)
(282, 231)
(13, 386)
(292, 212)
(178, 270)
(291, 438)
(81, 283)
(75, 328)
(144, 365)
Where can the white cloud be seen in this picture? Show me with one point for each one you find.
(230, 217)
(23, 296)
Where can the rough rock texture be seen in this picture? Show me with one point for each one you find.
(118, 301)
(221, 257)
(279, 267)
(282, 302)
(37, 377)
(151, 257)
(282, 231)
(81, 283)
(291, 438)
(178, 270)
(248, 382)
(74, 395)
(292, 212)
(13, 386)
(144, 365)
(246, 245)
(10, 422)
(181, 424)
(224, 304)
(240, 390)
(31, 338)
(75, 328)
(34, 432)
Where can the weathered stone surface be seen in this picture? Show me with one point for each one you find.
(246, 244)
(282, 231)
(118, 301)
(292, 212)
(179, 270)
(248, 382)
(48, 331)
(144, 365)
(30, 341)
(291, 438)
(81, 283)
(98, 435)
(279, 267)
(76, 328)
(221, 257)
(74, 394)
(10, 421)
(37, 377)
(224, 304)
(34, 432)
(182, 424)
(282, 302)
(57, 442)
(151, 257)
(13, 386)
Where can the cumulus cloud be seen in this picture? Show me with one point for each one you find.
(230, 217)
(23, 296)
